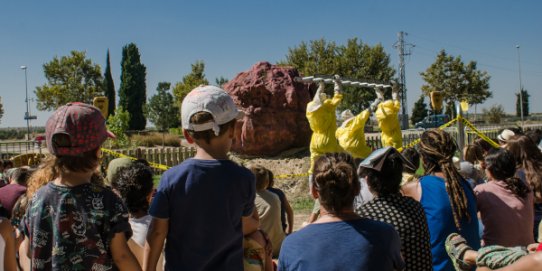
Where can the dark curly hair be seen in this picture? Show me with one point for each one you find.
(413, 156)
(502, 166)
(336, 181)
(387, 181)
(134, 184)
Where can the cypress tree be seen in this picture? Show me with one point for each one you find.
(109, 87)
(132, 92)
(419, 111)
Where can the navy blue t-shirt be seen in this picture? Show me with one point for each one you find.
(204, 201)
(360, 244)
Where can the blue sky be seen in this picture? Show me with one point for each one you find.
(231, 36)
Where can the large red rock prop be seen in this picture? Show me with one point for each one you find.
(274, 106)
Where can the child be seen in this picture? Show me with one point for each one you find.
(133, 182)
(286, 212)
(268, 205)
(204, 204)
(72, 223)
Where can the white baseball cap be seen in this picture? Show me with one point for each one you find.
(213, 100)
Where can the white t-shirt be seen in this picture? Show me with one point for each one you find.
(140, 226)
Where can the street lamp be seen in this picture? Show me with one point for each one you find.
(520, 89)
(27, 114)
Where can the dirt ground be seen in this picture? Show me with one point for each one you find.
(290, 170)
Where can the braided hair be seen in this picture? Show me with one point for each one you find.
(437, 149)
(336, 180)
(502, 166)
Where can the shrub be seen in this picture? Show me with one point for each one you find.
(156, 139)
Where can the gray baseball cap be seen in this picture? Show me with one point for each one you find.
(213, 100)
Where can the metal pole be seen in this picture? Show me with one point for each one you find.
(27, 114)
(460, 132)
(520, 89)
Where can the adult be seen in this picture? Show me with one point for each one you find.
(340, 239)
(387, 115)
(448, 200)
(10, 193)
(504, 196)
(323, 122)
(404, 213)
(529, 164)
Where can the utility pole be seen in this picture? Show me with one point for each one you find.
(404, 50)
(520, 89)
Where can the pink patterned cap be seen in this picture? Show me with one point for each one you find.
(75, 128)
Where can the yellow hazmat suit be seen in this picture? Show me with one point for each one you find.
(387, 115)
(351, 135)
(323, 123)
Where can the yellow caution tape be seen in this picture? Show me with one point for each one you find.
(480, 134)
(415, 142)
(120, 155)
(288, 176)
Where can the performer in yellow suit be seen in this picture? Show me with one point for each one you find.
(351, 133)
(387, 115)
(323, 122)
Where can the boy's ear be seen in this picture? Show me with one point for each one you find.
(189, 139)
(314, 192)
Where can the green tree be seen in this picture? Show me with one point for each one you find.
(457, 81)
(72, 78)
(190, 81)
(109, 87)
(494, 114)
(161, 109)
(118, 124)
(1, 109)
(419, 111)
(355, 60)
(221, 81)
(133, 88)
(525, 95)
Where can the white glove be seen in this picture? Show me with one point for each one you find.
(374, 105)
(394, 91)
(338, 86)
(379, 93)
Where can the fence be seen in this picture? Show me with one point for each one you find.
(9, 149)
(169, 156)
(409, 136)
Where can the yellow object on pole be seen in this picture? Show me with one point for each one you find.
(436, 100)
(464, 105)
(102, 103)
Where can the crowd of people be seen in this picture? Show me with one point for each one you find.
(376, 211)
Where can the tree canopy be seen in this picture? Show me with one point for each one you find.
(525, 97)
(494, 114)
(355, 60)
(190, 81)
(133, 88)
(1, 109)
(161, 109)
(419, 111)
(72, 78)
(457, 80)
(109, 87)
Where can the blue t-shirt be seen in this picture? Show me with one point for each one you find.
(440, 221)
(360, 244)
(204, 201)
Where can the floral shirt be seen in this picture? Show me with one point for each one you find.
(70, 228)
